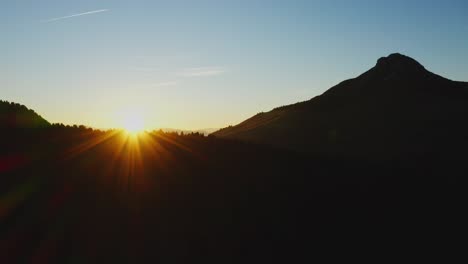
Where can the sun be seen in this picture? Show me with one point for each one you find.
(133, 123)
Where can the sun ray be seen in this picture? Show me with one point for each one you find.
(87, 145)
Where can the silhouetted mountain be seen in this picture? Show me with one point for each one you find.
(395, 108)
(14, 115)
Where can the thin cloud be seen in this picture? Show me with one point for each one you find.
(202, 71)
(76, 15)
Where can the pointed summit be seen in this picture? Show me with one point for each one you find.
(398, 61)
(390, 74)
(397, 64)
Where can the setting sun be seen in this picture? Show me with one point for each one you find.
(133, 122)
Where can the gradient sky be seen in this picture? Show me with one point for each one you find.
(204, 64)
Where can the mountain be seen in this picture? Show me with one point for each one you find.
(395, 108)
(14, 115)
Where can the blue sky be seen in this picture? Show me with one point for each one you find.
(200, 64)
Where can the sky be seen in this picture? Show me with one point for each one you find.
(209, 64)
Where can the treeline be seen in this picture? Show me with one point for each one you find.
(17, 115)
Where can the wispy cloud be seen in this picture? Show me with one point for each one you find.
(75, 15)
(202, 71)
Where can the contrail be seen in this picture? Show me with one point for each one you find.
(76, 15)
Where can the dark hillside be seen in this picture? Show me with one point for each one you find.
(73, 194)
(13, 115)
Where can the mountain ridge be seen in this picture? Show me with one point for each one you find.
(352, 117)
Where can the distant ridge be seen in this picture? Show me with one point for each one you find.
(204, 131)
(14, 115)
(395, 107)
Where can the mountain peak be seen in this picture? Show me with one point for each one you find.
(398, 63)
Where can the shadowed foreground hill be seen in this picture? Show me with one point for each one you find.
(396, 108)
(75, 195)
